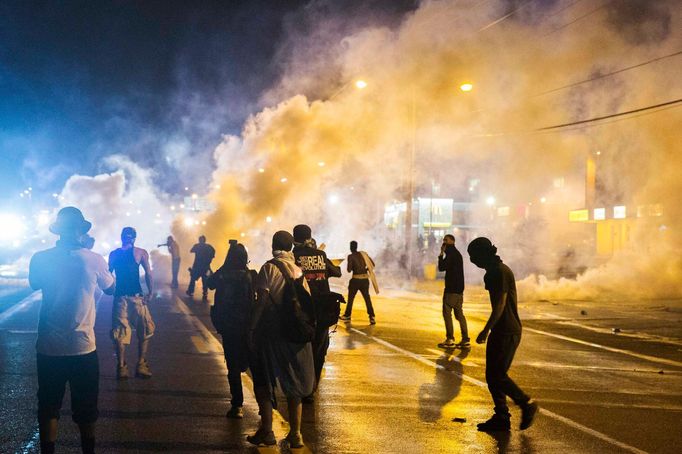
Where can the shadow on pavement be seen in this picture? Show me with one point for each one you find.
(445, 387)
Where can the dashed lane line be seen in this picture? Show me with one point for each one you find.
(653, 359)
(209, 342)
(551, 414)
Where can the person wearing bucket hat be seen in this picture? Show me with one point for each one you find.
(68, 275)
(504, 327)
(130, 308)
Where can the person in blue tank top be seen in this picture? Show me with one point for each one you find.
(130, 303)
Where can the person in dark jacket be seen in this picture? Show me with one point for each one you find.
(230, 314)
(203, 256)
(317, 269)
(504, 327)
(450, 261)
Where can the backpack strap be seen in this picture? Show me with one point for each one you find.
(282, 269)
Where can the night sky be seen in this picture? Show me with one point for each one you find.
(83, 80)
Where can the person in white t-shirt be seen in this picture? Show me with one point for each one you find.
(68, 275)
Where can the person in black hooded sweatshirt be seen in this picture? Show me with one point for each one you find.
(230, 314)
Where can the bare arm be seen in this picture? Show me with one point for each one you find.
(498, 300)
(147, 273)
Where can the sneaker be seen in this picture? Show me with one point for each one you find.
(528, 413)
(122, 372)
(235, 413)
(345, 318)
(372, 320)
(463, 344)
(143, 370)
(261, 438)
(495, 424)
(188, 293)
(295, 440)
(447, 343)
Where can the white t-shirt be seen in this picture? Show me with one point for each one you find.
(68, 277)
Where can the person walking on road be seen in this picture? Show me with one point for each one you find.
(68, 275)
(278, 359)
(174, 251)
(450, 261)
(203, 256)
(231, 312)
(317, 269)
(362, 267)
(130, 309)
(503, 333)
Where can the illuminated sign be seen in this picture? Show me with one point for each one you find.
(579, 215)
(619, 212)
(599, 214)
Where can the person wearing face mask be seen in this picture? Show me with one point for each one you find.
(502, 331)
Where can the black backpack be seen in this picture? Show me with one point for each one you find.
(296, 313)
(328, 308)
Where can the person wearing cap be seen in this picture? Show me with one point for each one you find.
(174, 251)
(130, 309)
(203, 256)
(503, 334)
(277, 360)
(317, 269)
(68, 275)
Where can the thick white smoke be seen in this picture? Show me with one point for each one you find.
(335, 163)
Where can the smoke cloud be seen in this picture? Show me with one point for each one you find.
(335, 162)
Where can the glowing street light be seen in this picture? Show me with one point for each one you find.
(360, 84)
(543, 199)
(283, 180)
(321, 163)
(490, 201)
(261, 170)
(466, 87)
(268, 219)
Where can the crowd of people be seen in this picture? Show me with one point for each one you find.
(274, 322)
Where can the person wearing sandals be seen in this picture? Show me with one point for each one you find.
(233, 303)
(275, 359)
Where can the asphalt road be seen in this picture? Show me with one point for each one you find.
(387, 388)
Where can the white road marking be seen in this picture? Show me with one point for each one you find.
(476, 382)
(452, 357)
(217, 347)
(654, 359)
(21, 306)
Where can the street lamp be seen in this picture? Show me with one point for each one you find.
(360, 84)
(466, 87)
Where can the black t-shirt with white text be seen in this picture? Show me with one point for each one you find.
(500, 279)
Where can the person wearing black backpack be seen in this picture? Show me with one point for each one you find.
(317, 269)
(230, 314)
(280, 333)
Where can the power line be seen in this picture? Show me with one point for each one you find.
(578, 19)
(605, 117)
(638, 65)
(506, 16)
